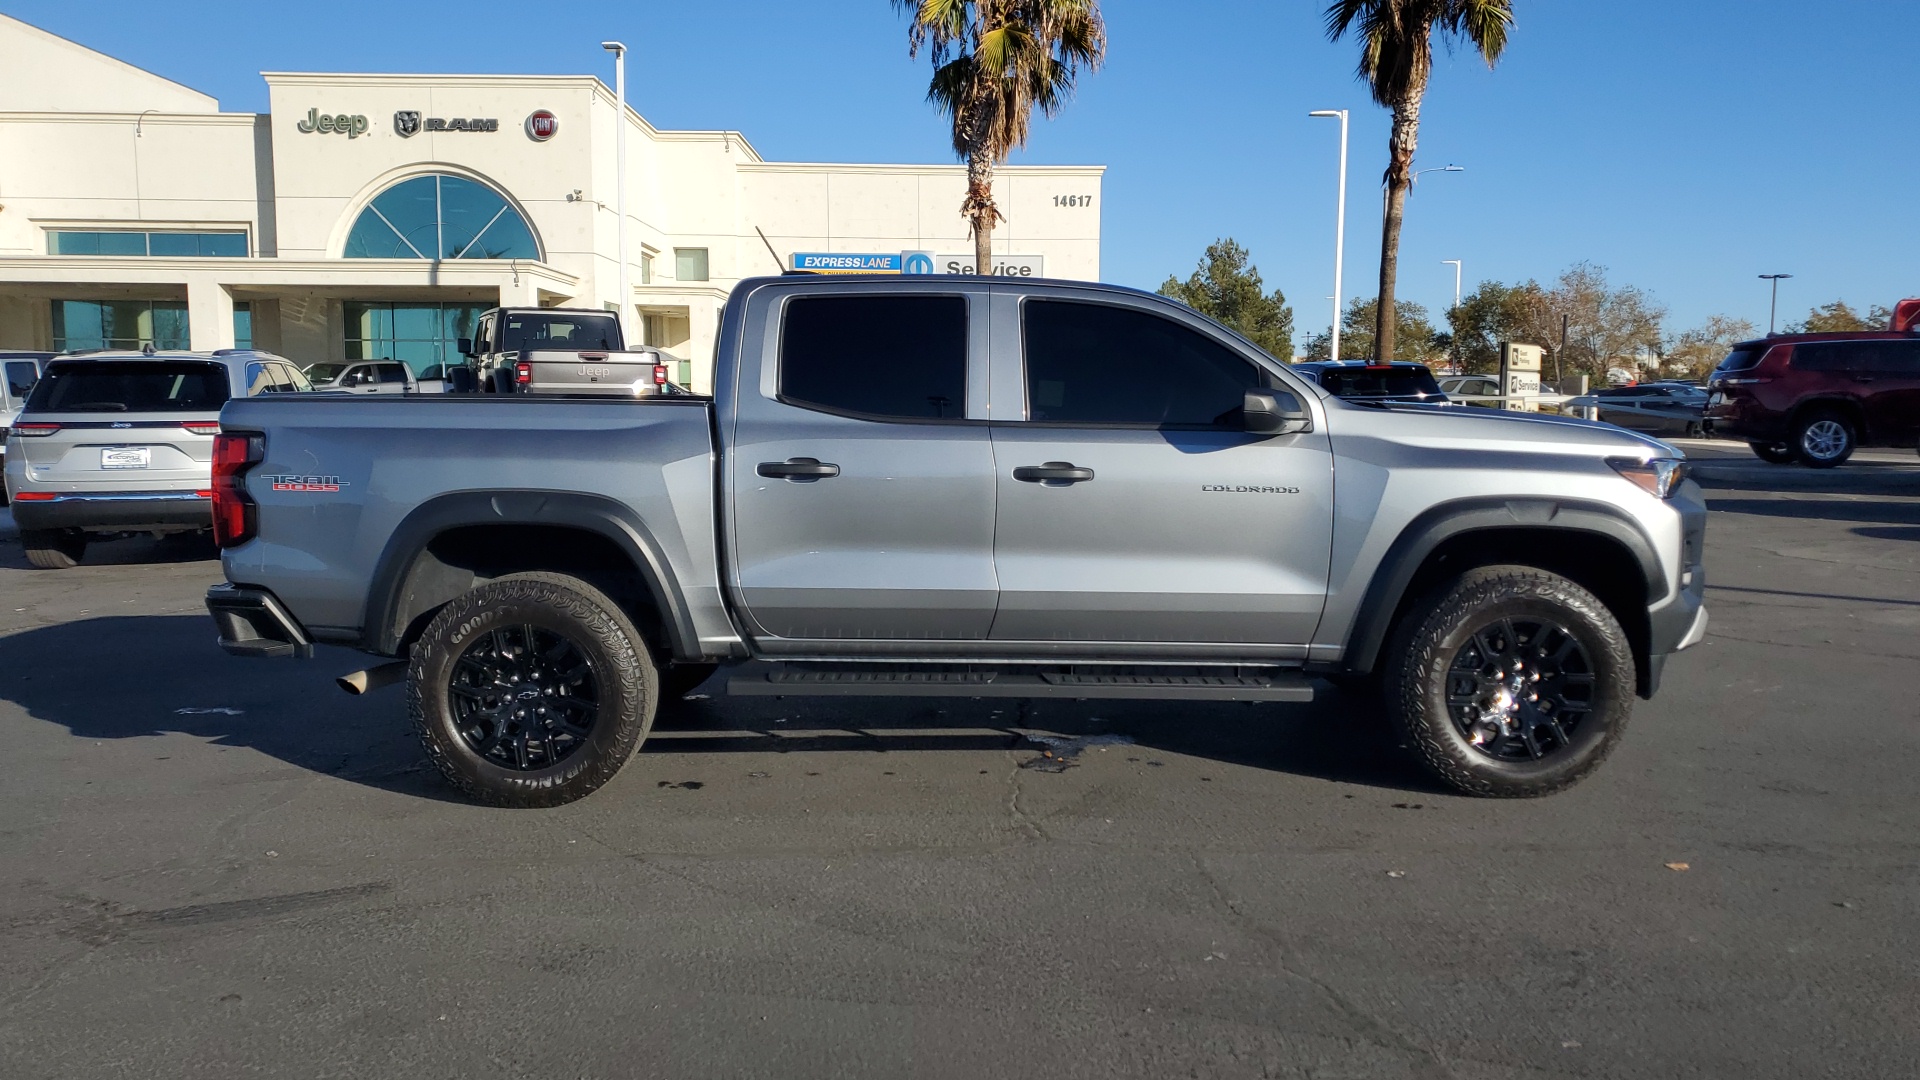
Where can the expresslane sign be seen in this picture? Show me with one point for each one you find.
(914, 263)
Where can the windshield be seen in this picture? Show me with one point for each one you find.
(1742, 358)
(572, 331)
(130, 386)
(1379, 382)
(324, 372)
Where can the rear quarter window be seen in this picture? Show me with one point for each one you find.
(131, 386)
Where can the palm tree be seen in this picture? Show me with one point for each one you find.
(1396, 58)
(994, 62)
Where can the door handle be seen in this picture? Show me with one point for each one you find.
(799, 470)
(1053, 472)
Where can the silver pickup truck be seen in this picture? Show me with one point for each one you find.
(962, 487)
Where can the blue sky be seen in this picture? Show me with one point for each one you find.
(1686, 145)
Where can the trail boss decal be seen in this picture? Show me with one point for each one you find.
(1250, 489)
(306, 483)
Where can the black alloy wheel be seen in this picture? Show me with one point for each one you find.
(1519, 689)
(524, 697)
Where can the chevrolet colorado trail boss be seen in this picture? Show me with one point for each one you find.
(970, 488)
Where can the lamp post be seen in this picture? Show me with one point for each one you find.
(1339, 225)
(1774, 308)
(1455, 263)
(619, 52)
(1442, 168)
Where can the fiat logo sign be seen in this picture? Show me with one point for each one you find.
(541, 126)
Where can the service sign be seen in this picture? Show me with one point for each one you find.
(1022, 266)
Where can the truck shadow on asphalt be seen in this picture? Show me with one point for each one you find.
(147, 676)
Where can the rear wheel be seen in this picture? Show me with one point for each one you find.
(1824, 439)
(1774, 453)
(531, 690)
(54, 549)
(1511, 682)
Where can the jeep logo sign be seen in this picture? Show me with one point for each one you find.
(351, 126)
(542, 125)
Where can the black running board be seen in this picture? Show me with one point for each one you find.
(766, 681)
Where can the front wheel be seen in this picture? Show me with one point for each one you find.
(1773, 453)
(531, 690)
(1511, 682)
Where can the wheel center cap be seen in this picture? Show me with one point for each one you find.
(528, 693)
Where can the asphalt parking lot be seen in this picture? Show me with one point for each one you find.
(218, 867)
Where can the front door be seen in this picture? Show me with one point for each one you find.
(1133, 505)
(861, 475)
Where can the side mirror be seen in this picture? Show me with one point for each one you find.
(463, 346)
(1276, 412)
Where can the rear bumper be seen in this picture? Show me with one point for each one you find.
(253, 622)
(112, 510)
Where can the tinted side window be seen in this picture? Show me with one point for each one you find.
(1891, 358)
(1824, 356)
(21, 375)
(892, 357)
(1098, 364)
(391, 373)
(290, 380)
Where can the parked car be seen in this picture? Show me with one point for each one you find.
(1815, 398)
(561, 351)
(1485, 392)
(18, 372)
(122, 442)
(1116, 497)
(1662, 408)
(363, 377)
(1358, 380)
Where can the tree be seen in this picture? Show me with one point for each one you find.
(1396, 59)
(1606, 326)
(1357, 334)
(1226, 287)
(994, 62)
(1839, 318)
(1692, 353)
(1493, 313)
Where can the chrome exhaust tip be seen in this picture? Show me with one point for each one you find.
(373, 678)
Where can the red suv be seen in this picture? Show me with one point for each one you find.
(1814, 398)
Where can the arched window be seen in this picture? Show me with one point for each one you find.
(440, 217)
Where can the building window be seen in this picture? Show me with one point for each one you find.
(243, 326)
(440, 217)
(230, 245)
(420, 335)
(646, 269)
(690, 264)
(119, 324)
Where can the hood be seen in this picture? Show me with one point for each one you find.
(1464, 428)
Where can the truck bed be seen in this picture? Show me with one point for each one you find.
(347, 482)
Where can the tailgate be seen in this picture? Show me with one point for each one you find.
(612, 374)
(119, 456)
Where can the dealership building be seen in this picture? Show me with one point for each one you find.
(376, 215)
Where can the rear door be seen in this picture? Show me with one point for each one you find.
(1888, 375)
(1133, 505)
(124, 425)
(860, 477)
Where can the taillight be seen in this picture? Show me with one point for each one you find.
(523, 373)
(235, 514)
(30, 431)
(202, 427)
(659, 374)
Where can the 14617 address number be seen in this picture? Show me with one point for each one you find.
(1073, 200)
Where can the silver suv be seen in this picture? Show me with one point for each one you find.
(122, 442)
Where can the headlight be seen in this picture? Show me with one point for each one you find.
(1658, 477)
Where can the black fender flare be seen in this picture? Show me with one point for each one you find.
(591, 513)
(1374, 618)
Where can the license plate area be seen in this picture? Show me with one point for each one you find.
(126, 457)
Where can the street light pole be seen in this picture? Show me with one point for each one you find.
(1339, 226)
(619, 52)
(1774, 308)
(1455, 263)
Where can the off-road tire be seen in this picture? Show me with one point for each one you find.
(1815, 423)
(1433, 632)
(1774, 453)
(54, 549)
(627, 683)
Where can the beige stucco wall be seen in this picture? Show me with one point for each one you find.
(42, 72)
